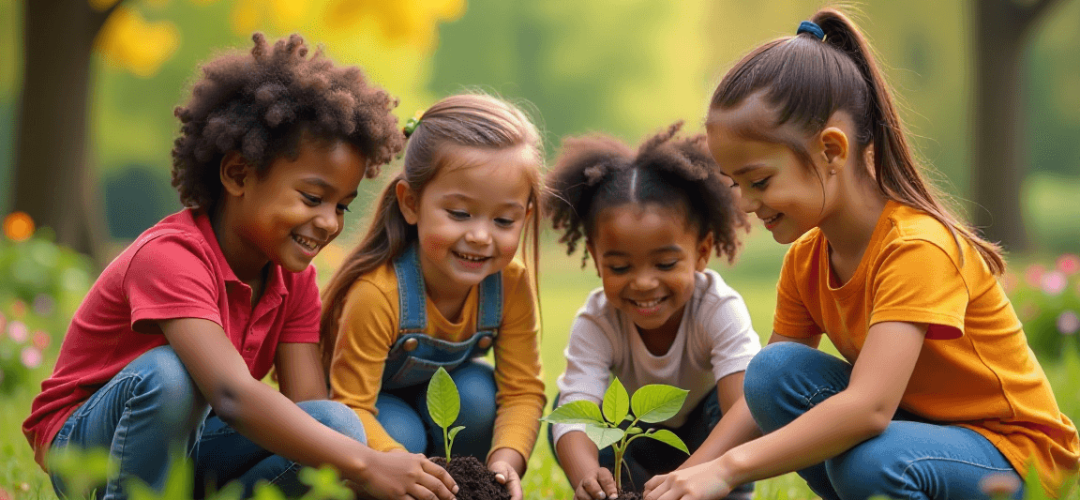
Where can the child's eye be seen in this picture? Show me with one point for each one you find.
(343, 208)
(667, 266)
(618, 269)
(504, 222)
(311, 199)
(458, 214)
(760, 184)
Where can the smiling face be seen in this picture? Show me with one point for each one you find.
(295, 210)
(469, 217)
(771, 180)
(647, 256)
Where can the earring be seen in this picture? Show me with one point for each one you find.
(832, 171)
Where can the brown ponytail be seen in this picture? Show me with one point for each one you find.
(839, 73)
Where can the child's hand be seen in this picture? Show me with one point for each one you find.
(700, 482)
(507, 476)
(407, 476)
(597, 485)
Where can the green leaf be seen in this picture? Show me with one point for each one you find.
(453, 432)
(603, 436)
(576, 412)
(666, 436)
(616, 402)
(324, 483)
(443, 401)
(657, 402)
(633, 430)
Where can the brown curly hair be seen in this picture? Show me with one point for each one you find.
(260, 104)
(597, 171)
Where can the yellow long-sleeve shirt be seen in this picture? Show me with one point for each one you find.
(368, 327)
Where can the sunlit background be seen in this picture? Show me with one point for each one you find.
(94, 178)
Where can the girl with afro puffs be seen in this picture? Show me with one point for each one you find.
(168, 348)
(650, 220)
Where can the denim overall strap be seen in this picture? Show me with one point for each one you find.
(415, 356)
(489, 314)
(411, 293)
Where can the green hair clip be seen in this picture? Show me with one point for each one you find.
(412, 123)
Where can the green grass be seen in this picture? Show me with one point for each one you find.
(564, 286)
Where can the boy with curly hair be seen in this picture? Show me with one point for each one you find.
(168, 348)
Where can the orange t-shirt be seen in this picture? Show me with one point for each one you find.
(975, 370)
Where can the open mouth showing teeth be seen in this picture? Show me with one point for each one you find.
(309, 244)
(647, 304)
(772, 220)
(470, 258)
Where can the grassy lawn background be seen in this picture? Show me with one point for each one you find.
(563, 288)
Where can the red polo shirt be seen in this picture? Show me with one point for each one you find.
(173, 270)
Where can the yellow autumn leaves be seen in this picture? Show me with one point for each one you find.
(130, 41)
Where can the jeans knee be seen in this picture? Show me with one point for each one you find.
(476, 386)
(402, 423)
(336, 416)
(165, 384)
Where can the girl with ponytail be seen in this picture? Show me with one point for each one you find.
(936, 388)
(435, 283)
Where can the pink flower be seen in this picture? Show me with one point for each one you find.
(30, 357)
(40, 340)
(1009, 282)
(1033, 275)
(44, 305)
(1028, 311)
(18, 332)
(18, 308)
(1069, 264)
(1068, 323)
(1053, 283)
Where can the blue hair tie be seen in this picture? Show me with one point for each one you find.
(812, 28)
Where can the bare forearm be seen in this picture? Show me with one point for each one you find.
(260, 413)
(577, 455)
(832, 427)
(736, 427)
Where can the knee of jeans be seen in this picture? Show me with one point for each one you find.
(867, 470)
(765, 371)
(165, 383)
(402, 423)
(476, 386)
(336, 416)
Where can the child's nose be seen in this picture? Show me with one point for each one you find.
(747, 203)
(478, 235)
(328, 221)
(643, 281)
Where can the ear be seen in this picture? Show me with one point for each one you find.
(705, 248)
(834, 148)
(592, 253)
(235, 173)
(408, 201)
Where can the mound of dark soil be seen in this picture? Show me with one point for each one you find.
(474, 480)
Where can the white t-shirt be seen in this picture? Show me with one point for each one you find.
(715, 339)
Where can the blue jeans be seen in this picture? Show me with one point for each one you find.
(153, 406)
(646, 458)
(912, 459)
(404, 414)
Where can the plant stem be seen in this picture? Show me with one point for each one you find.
(619, 450)
(446, 444)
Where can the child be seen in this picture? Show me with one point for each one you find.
(650, 221)
(937, 388)
(434, 283)
(189, 318)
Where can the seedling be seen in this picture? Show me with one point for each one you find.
(444, 404)
(651, 404)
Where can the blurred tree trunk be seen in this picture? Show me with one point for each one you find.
(52, 175)
(1001, 31)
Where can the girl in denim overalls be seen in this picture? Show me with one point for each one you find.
(434, 283)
